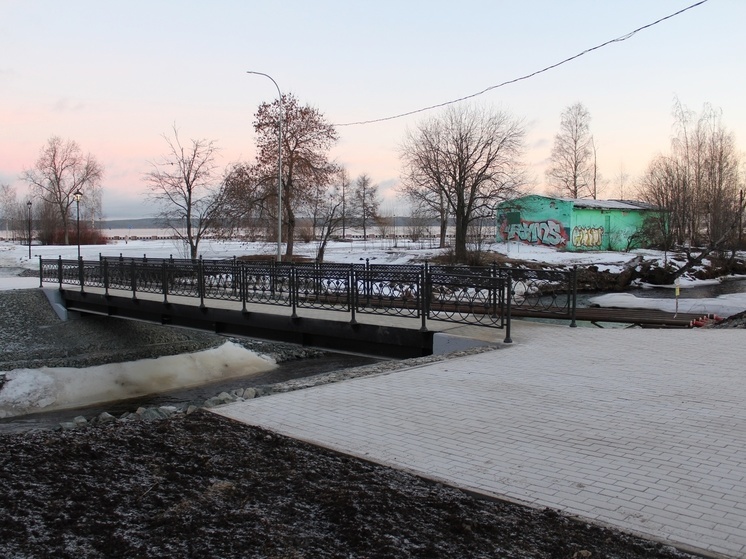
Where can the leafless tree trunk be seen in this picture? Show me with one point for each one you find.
(328, 217)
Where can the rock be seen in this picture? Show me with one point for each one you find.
(150, 414)
(212, 402)
(105, 417)
(249, 393)
(219, 400)
(227, 398)
(79, 421)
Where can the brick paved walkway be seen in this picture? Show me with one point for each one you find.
(641, 429)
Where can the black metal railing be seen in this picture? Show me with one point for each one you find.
(470, 295)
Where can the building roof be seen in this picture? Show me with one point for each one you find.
(610, 204)
(624, 205)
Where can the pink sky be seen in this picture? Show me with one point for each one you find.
(115, 77)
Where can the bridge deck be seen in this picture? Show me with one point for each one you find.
(378, 334)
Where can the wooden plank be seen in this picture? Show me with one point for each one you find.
(646, 317)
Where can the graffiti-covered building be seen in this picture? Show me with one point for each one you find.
(573, 224)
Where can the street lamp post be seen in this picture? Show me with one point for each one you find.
(78, 195)
(279, 165)
(28, 205)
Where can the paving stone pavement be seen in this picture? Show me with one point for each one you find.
(641, 429)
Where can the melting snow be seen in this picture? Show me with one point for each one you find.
(53, 388)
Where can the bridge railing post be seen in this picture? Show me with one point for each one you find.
(293, 291)
(509, 297)
(272, 277)
(164, 281)
(574, 290)
(201, 282)
(235, 273)
(59, 271)
(424, 291)
(244, 289)
(368, 284)
(105, 266)
(81, 274)
(133, 279)
(352, 293)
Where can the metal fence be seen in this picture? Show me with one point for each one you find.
(472, 295)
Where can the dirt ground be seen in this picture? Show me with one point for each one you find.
(205, 486)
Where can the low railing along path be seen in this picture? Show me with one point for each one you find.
(407, 296)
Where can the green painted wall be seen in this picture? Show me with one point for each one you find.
(558, 223)
(535, 220)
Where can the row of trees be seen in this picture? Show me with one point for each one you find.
(700, 182)
(196, 200)
(456, 167)
(61, 171)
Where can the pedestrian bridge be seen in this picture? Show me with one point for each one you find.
(390, 310)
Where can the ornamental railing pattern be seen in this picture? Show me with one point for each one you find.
(483, 296)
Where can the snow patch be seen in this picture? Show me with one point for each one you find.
(724, 305)
(53, 388)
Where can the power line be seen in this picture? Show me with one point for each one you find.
(527, 76)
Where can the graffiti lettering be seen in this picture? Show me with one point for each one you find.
(547, 232)
(587, 237)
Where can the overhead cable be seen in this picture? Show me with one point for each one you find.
(527, 76)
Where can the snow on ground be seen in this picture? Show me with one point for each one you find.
(723, 306)
(14, 259)
(53, 388)
(28, 391)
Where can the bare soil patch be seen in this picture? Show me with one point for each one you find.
(205, 486)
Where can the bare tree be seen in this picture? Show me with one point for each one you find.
(698, 185)
(62, 170)
(424, 182)
(596, 181)
(8, 206)
(328, 217)
(183, 183)
(416, 227)
(468, 159)
(572, 163)
(245, 208)
(699, 182)
(386, 226)
(306, 140)
(14, 214)
(344, 185)
(365, 202)
(622, 179)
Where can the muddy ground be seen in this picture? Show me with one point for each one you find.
(205, 486)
